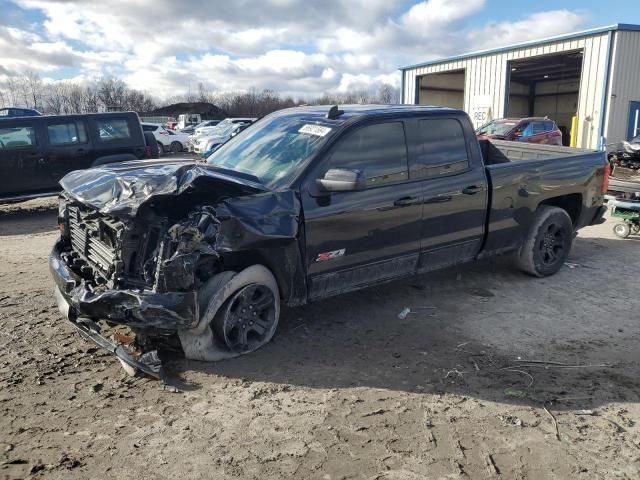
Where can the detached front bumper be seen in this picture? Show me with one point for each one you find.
(168, 311)
(148, 363)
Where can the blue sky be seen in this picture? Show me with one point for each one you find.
(298, 47)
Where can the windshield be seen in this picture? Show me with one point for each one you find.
(273, 150)
(496, 128)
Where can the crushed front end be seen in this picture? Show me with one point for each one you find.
(142, 274)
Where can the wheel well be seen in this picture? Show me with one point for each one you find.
(241, 260)
(571, 203)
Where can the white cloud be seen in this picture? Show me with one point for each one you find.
(536, 26)
(297, 47)
(426, 16)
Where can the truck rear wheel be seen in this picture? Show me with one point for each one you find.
(548, 242)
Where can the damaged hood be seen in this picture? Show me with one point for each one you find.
(121, 188)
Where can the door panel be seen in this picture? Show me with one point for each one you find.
(358, 238)
(22, 167)
(348, 230)
(68, 147)
(454, 191)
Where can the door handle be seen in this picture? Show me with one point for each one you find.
(471, 190)
(404, 202)
(439, 199)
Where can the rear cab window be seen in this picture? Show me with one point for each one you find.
(442, 148)
(67, 133)
(379, 151)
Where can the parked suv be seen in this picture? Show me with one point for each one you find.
(36, 152)
(530, 130)
(167, 139)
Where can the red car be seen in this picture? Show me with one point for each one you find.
(530, 130)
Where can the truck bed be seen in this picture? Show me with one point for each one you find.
(495, 152)
(522, 176)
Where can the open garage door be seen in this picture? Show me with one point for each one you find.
(442, 89)
(546, 86)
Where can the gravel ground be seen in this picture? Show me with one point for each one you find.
(346, 389)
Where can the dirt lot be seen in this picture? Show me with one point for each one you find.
(346, 389)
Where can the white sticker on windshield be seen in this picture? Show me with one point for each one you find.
(317, 130)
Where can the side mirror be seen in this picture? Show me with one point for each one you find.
(342, 180)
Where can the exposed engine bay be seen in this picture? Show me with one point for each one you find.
(148, 254)
(126, 265)
(136, 258)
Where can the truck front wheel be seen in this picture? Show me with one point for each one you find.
(239, 313)
(548, 242)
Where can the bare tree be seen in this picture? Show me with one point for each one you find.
(204, 95)
(386, 93)
(13, 91)
(91, 99)
(112, 92)
(72, 97)
(75, 98)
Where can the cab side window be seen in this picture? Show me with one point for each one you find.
(113, 129)
(69, 133)
(12, 138)
(442, 149)
(379, 151)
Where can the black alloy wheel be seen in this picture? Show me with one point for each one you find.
(552, 244)
(247, 319)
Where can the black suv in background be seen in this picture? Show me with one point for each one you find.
(36, 152)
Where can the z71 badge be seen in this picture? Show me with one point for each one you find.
(324, 256)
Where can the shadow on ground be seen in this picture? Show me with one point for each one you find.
(490, 336)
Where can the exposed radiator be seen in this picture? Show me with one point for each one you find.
(87, 240)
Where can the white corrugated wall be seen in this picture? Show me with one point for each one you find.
(625, 83)
(487, 75)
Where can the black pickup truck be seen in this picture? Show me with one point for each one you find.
(306, 203)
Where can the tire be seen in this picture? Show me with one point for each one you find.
(548, 242)
(176, 147)
(160, 149)
(220, 299)
(622, 230)
(152, 144)
(635, 228)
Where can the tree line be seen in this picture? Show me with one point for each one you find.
(66, 96)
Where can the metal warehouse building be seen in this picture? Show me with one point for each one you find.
(593, 75)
